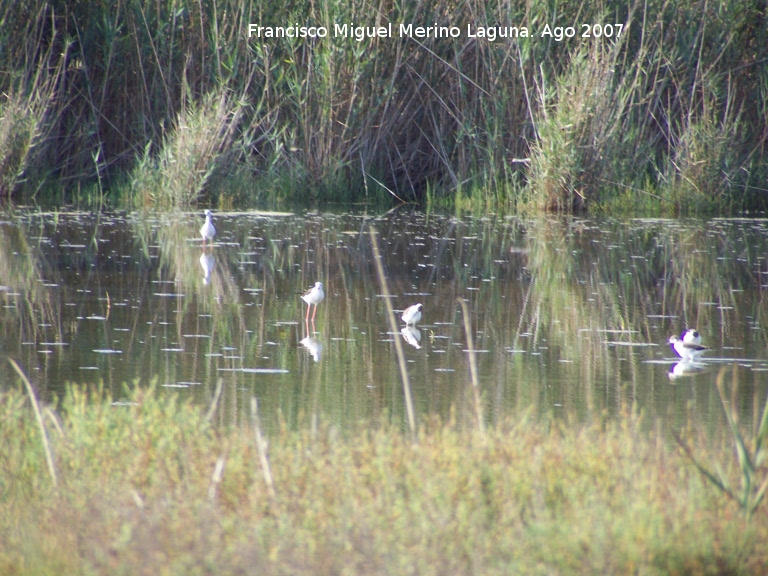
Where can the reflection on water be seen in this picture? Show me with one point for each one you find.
(686, 367)
(570, 316)
(412, 336)
(207, 262)
(313, 346)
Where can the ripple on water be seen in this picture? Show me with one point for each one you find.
(527, 282)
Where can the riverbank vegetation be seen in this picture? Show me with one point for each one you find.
(153, 485)
(662, 107)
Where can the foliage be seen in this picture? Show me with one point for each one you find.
(191, 152)
(173, 93)
(750, 455)
(151, 478)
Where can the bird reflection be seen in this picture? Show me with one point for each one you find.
(207, 261)
(685, 367)
(412, 335)
(314, 346)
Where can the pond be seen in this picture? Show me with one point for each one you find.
(569, 317)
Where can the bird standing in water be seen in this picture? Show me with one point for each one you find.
(314, 295)
(208, 231)
(690, 350)
(412, 314)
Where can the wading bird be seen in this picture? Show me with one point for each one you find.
(208, 231)
(687, 350)
(314, 295)
(412, 314)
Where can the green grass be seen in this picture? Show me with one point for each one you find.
(151, 486)
(198, 144)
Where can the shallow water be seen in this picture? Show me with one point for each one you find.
(570, 317)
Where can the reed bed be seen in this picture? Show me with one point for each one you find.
(149, 485)
(168, 103)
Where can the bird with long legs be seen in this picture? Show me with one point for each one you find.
(313, 296)
(208, 230)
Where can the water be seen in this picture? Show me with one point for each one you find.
(569, 317)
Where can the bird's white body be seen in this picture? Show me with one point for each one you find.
(314, 295)
(208, 231)
(686, 350)
(691, 336)
(412, 314)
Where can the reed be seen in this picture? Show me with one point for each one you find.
(39, 420)
(201, 141)
(174, 103)
(29, 105)
(750, 454)
(395, 334)
(473, 367)
(261, 447)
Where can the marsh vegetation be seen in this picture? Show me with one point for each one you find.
(660, 108)
(186, 424)
(150, 485)
(167, 408)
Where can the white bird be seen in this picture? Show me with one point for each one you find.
(686, 350)
(691, 336)
(208, 231)
(412, 314)
(314, 295)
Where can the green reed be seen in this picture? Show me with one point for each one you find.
(172, 103)
(750, 454)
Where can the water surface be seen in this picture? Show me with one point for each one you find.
(570, 317)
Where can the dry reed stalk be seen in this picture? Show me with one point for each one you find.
(215, 401)
(262, 448)
(473, 366)
(39, 417)
(393, 329)
(218, 472)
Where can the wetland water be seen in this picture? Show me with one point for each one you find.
(570, 316)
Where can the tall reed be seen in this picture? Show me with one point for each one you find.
(30, 105)
(663, 102)
(200, 143)
(398, 344)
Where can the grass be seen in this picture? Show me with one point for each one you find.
(749, 451)
(151, 486)
(171, 103)
(200, 141)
